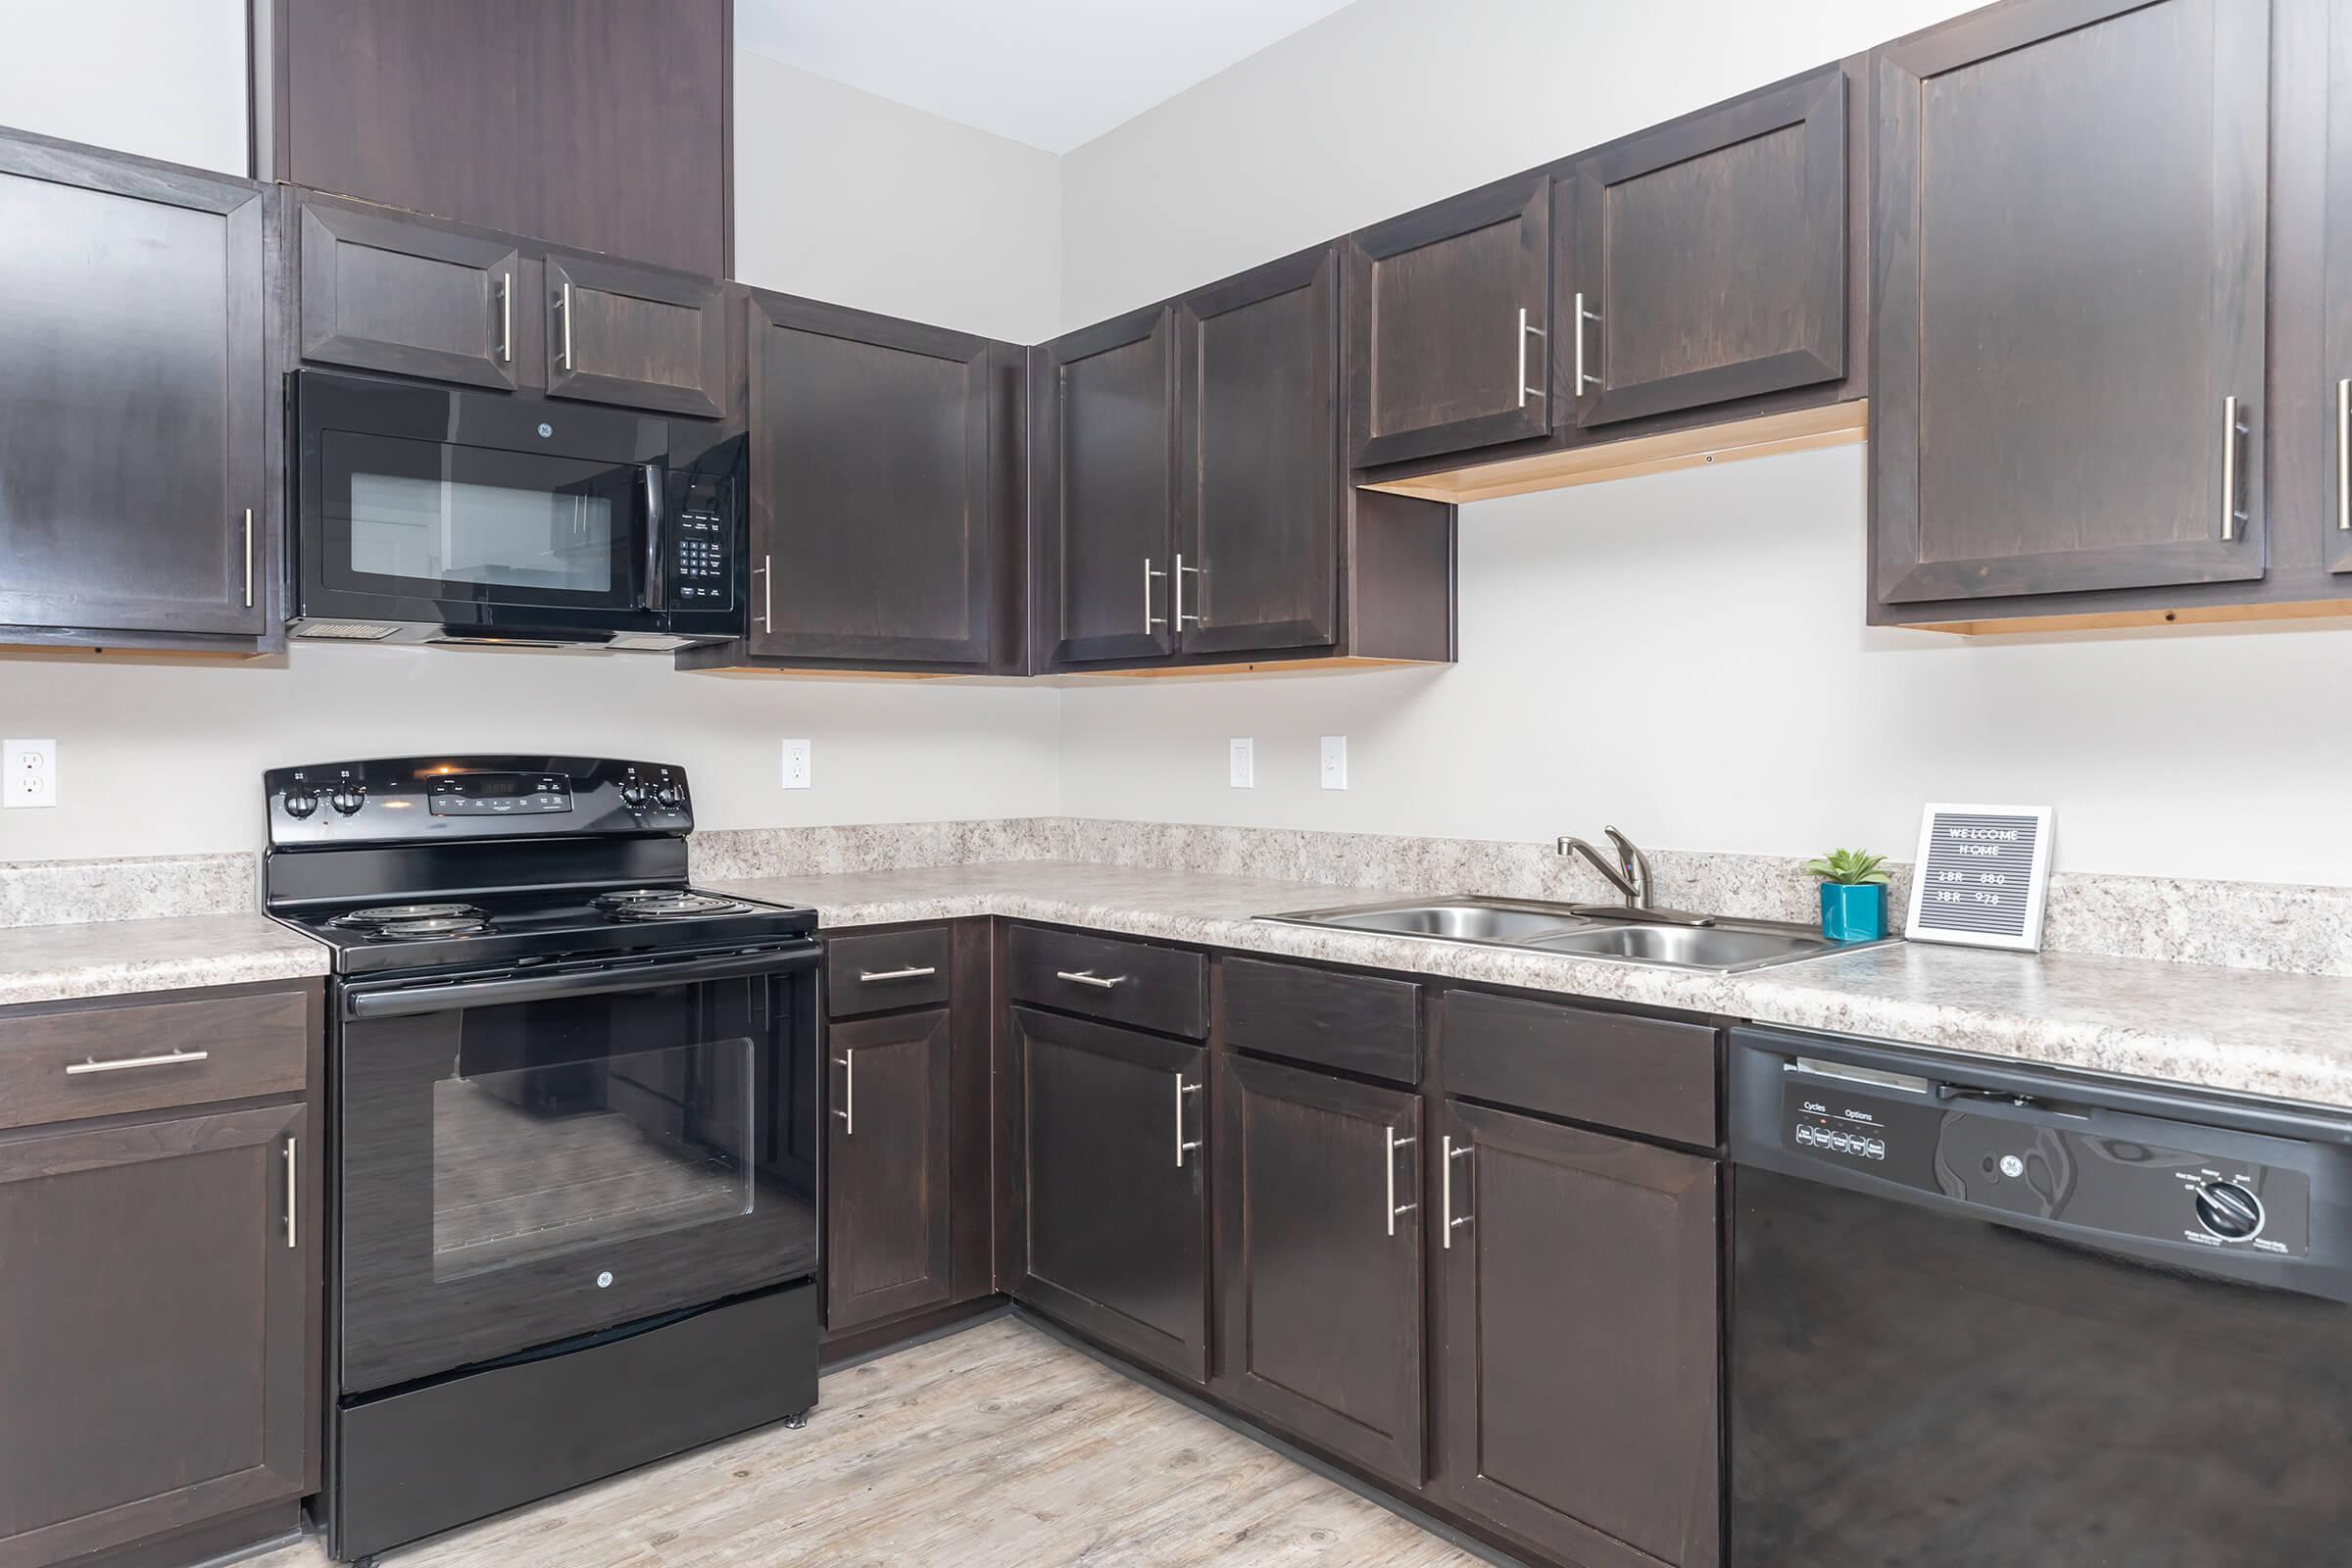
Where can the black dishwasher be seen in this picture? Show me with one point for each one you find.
(1984, 1316)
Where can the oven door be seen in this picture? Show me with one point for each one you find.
(420, 506)
(527, 1159)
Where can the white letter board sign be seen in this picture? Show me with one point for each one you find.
(1982, 877)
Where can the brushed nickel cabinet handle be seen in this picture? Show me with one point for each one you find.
(293, 1170)
(1088, 977)
(506, 319)
(1526, 391)
(1150, 619)
(1580, 315)
(248, 557)
(170, 1059)
(1182, 1146)
(847, 1061)
(2343, 455)
(2233, 431)
(767, 592)
(1182, 619)
(873, 977)
(568, 325)
(1446, 1185)
(1393, 1207)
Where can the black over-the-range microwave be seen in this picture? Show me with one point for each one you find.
(428, 514)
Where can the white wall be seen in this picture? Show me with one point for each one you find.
(1683, 655)
(162, 77)
(847, 197)
(162, 759)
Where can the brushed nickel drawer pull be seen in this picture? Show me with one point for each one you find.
(1183, 1147)
(506, 318)
(171, 1058)
(1088, 977)
(292, 1168)
(847, 1061)
(568, 325)
(1396, 1209)
(878, 976)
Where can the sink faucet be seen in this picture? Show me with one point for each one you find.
(1630, 875)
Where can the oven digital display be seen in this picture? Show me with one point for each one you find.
(497, 794)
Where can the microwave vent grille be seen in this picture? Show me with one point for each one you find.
(355, 631)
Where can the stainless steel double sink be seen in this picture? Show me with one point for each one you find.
(1581, 931)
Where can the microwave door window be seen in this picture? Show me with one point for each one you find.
(452, 522)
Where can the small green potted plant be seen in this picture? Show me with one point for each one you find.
(1853, 894)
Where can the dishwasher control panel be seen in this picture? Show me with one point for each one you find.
(2043, 1161)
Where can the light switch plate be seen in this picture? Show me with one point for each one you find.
(32, 769)
(798, 764)
(1335, 761)
(1242, 764)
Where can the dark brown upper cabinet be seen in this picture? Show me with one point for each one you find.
(604, 125)
(135, 486)
(885, 493)
(2318, 488)
(2070, 229)
(1583, 1344)
(1322, 1323)
(1102, 488)
(888, 1183)
(1106, 1204)
(1256, 564)
(1704, 261)
(1448, 314)
(383, 291)
(635, 336)
(160, 1321)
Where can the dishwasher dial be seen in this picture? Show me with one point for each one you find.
(2229, 1211)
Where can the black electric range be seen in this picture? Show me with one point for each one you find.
(574, 1113)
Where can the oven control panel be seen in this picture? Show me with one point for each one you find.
(417, 800)
(2046, 1160)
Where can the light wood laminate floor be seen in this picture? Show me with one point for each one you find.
(992, 1448)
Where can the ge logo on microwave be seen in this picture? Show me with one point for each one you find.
(546, 430)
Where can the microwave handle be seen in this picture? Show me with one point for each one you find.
(657, 596)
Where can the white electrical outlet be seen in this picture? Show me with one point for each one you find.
(31, 767)
(796, 764)
(1335, 761)
(1240, 764)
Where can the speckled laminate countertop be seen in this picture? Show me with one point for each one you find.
(110, 958)
(2254, 1032)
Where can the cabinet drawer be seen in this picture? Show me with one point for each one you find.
(1357, 1024)
(1646, 1075)
(1106, 977)
(880, 971)
(152, 1055)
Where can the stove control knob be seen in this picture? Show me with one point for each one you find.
(632, 793)
(301, 800)
(2229, 1210)
(346, 798)
(669, 797)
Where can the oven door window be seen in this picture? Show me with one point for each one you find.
(435, 520)
(517, 1174)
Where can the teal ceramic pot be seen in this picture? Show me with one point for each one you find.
(1854, 913)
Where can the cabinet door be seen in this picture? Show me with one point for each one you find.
(153, 1327)
(131, 393)
(633, 337)
(888, 1182)
(1259, 484)
(1705, 261)
(1108, 1142)
(872, 466)
(2069, 219)
(1319, 1260)
(2335, 281)
(1104, 435)
(387, 293)
(1447, 315)
(1582, 1365)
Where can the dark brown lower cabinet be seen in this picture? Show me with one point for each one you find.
(1320, 1260)
(1580, 1365)
(154, 1322)
(1109, 1146)
(887, 1148)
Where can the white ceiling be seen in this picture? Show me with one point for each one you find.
(1055, 73)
